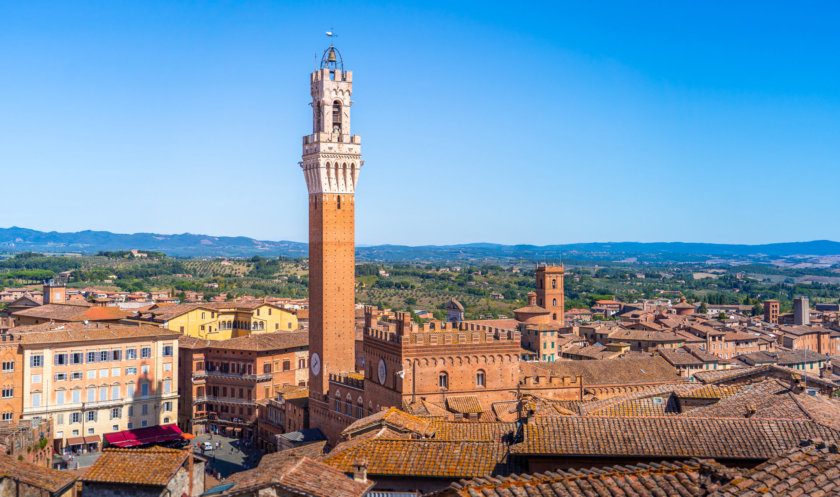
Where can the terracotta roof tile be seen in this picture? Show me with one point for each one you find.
(426, 458)
(297, 475)
(690, 478)
(464, 404)
(811, 470)
(611, 371)
(155, 466)
(38, 476)
(76, 332)
(672, 436)
(450, 431)
(393, 417)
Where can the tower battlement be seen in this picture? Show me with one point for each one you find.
(337, 76)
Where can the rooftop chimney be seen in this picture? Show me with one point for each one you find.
(360, 470)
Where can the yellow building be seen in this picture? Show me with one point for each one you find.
(219, 320)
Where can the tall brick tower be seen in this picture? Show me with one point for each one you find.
(550, 290)
(331, 164)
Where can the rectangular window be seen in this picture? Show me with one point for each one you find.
(59, 398)
(115, 393)
(91, 395)
(91, 356)
(131, 354)
(91, 415)
(130, 371)
(77, 396)
(103, 394)
(8, 366)
(144, 369)
(76, 375)
(104, 355)
(167, 351)
(145, 352)
(36, 400)
(116, 413)
(60, 359)
(116, 355)
(167, 406)
(60, 376)
(103, 373)
(8, 393)
(129, 391)
(77, 358)
(144, 389)
(91, 374)
(167, 366)
(36, 361)
(144, 409)
(115, 371)
(144, 423)
(167, 386)
(36, 378)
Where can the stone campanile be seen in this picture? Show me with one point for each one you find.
(331, 164)
(550, 294)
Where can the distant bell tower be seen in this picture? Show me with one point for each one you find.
(550, 294)
(331, 164)
(55, 291)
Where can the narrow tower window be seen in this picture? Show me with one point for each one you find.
(339, 201)
(553, 283)
(336, 117)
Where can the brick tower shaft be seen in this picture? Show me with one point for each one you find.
(331, 164)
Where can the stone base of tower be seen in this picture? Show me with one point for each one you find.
(330, 422)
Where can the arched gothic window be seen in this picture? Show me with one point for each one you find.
(443, 380)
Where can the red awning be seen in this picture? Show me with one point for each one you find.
(144, 436)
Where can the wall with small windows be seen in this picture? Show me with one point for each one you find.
(103, 381)
(11, 381)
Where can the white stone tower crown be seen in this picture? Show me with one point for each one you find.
(332, 157)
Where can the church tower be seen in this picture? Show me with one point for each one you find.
(550, 294)
(331, 164)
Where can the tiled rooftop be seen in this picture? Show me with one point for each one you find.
(672, 436)
(609, 372)
(686, 479)
(155, 466)
(394, 418)
(812, 470)
(38, 476)
(297, 476)
(77, 332)
(425, 458)
(464, 404)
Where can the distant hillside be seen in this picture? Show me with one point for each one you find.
(188, 245)
(185, 245)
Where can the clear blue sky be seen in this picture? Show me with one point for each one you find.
(512, 123)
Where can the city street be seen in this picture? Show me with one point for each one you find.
(229, 457)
